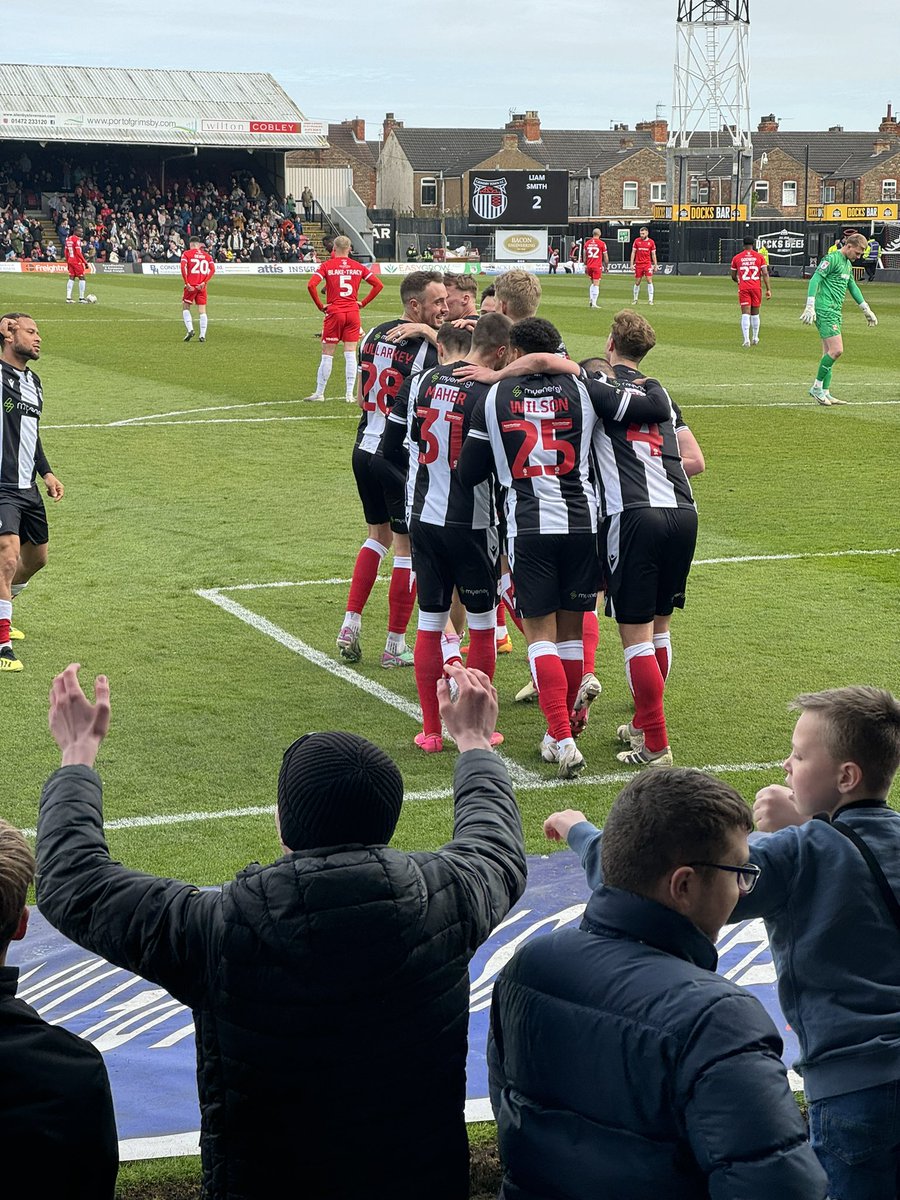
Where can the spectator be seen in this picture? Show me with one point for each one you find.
(306, 199)
(329, 989)
(828, 895)
(621, 1064)
(56, 1113)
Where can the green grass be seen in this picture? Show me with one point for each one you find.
(203, 705)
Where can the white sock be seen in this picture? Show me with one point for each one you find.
(81, 288)
(450, 647)
(188, 321)
(324, 373)
(350, 371)
(745, 326)
(637, 292)
(502, 632)
(594, 292)
(754, 326)
(353, 621)
(17, 588)
(650, 292)
(69, 284)
(203, 324)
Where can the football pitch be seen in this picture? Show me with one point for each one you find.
(202, 553)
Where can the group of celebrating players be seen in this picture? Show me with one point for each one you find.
(504, 475)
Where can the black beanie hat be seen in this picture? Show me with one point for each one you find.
(335, 789)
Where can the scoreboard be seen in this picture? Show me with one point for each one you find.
(519, 198)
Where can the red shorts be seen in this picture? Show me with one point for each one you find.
(642, 270)
(342, 325)
(194, 296)
(76, 270)
(594, 272)
(749, 295)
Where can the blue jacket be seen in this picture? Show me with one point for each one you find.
(623, 1066)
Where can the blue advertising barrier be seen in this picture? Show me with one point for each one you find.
(146, 1037)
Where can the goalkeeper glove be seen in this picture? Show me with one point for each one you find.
(808, 315)
(871, 319)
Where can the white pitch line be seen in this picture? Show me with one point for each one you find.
(182, 412)
(698, 562)
(519, 775)
(536, 783)
(140, 423)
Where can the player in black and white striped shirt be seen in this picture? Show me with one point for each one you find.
(647, 541)
(535, 433)
(23, 521)
(386, 360)
(453, 528)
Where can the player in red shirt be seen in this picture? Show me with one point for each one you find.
(76, 263)
(643, 262)
(342, 276)
(197, 268)
(595, 259)
(748, 269)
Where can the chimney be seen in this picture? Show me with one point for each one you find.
(510, 142)
(532, 126)
(389, 124)
(516, 121)
(835, 129)
(658, 130)
(619, 126)
(889, 124)
(768, 124)
(358, 128)
(881, 145)
(626, 143)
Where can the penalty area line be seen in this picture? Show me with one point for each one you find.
(536, 783)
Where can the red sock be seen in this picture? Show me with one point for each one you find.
(517, 621)
(482, 651)
(365, 572)
(429, 667)
(551, 681)
(591, 636)
(574, 672)
(647, 686)
(401, 599)
(5, 627)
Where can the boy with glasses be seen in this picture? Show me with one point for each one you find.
(620, 1063)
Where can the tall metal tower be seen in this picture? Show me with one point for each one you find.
(711, 98)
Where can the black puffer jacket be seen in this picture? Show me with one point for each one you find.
(330, 989)
(624, 1068)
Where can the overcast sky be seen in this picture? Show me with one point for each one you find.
(581, 65)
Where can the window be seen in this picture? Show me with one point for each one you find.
(828, 193)
(657, 193)
(761, 187)
(428, 193)
(699, 190)
(789, 193)
(630, 193)
(889, 189)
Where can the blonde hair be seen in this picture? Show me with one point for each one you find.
(856, 239)
(519, 292)
(342, 245)
(16, 875)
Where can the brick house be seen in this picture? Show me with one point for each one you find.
(347, 147)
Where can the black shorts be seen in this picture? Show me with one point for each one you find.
(553, 572)
(445, 557)
(381, 488)
(647, 555)
(22, 512)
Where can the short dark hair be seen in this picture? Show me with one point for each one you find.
(16, 874)
(632, 335)
(668, 818)
(414, 285)
(535, 335)
(13, 317)
(196, 241)
(749, 240)
(490, 290)
(454, 339)
(491, 332)
(860, 724)
(596, 366)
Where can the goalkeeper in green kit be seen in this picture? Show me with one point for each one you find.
(827, 289)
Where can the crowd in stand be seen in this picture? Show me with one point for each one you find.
(127, 218)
